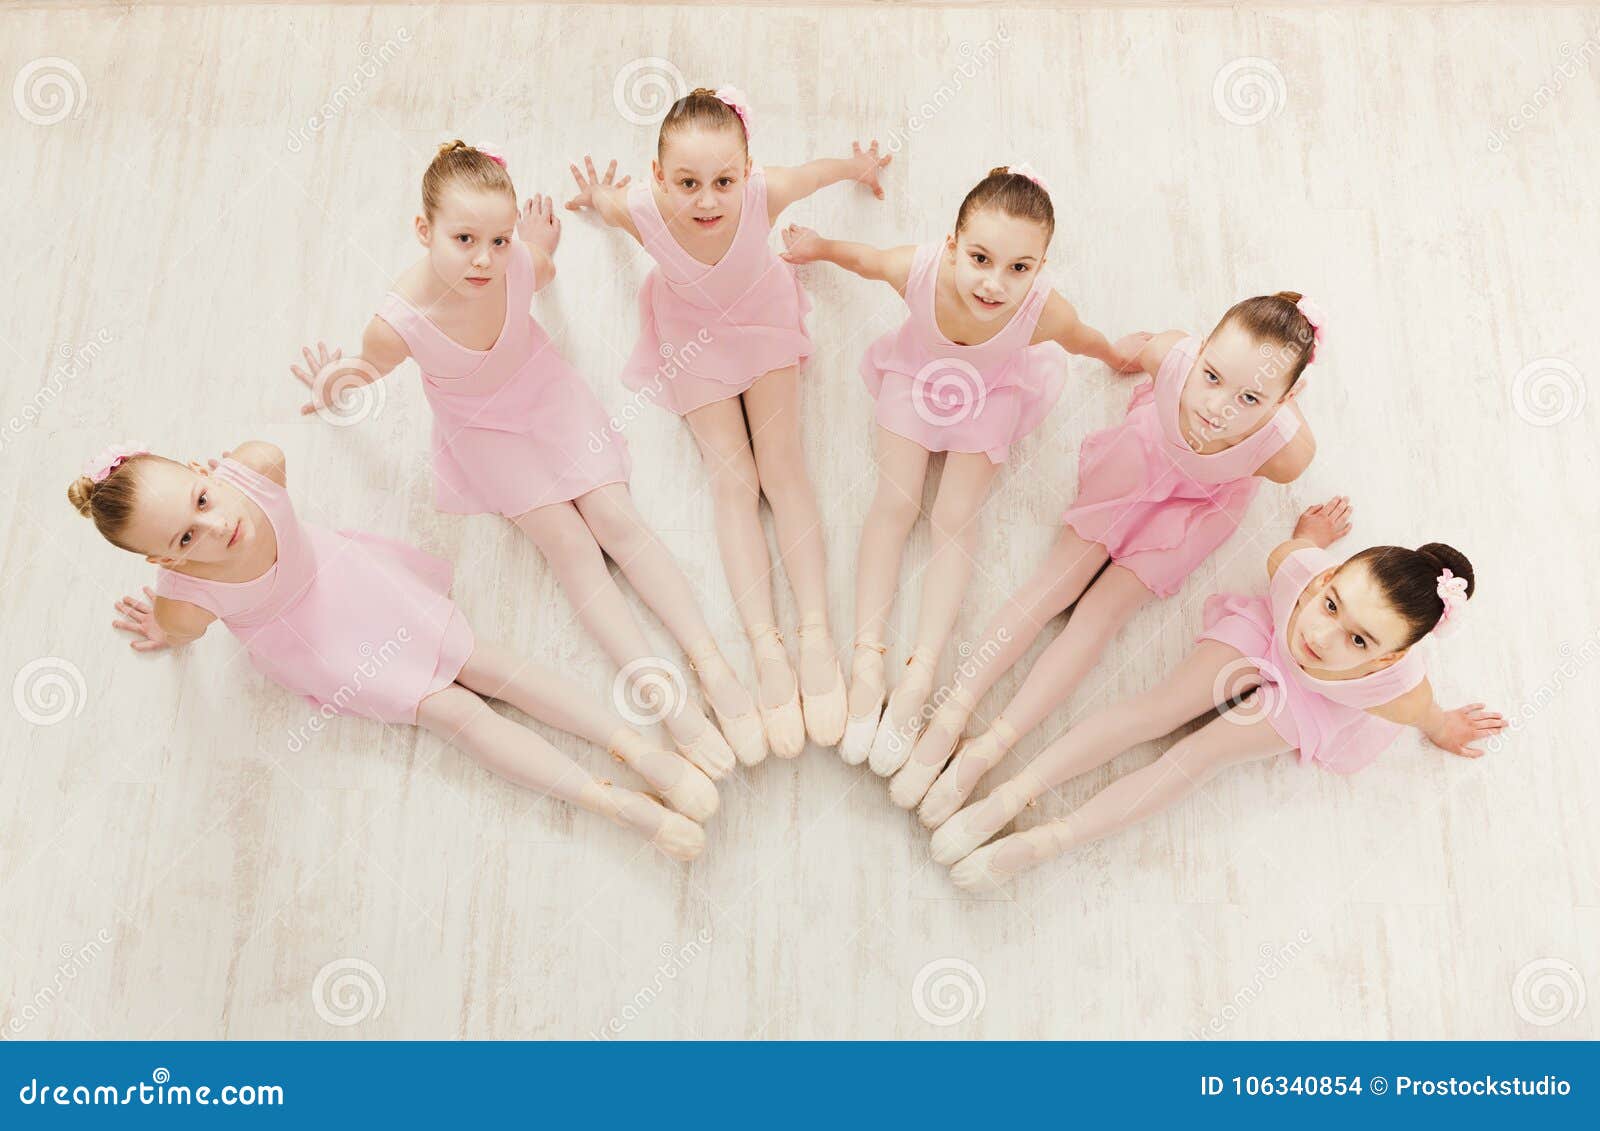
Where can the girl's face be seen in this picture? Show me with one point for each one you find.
(469, 238)
(1236, 383)
(1345, 628)
(995, 257)
(185, 516)
(702, 173)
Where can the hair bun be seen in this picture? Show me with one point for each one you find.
(1449, 558)
(80, 492)
(1000, 171)
(1291, 297)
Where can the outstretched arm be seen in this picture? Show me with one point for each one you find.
(168, 624)
(329, 375)
(1319, 526)
(1059, 323)
(539, 227)
(890, 265)
(606, 195)
(1456, 731)
(787, 184)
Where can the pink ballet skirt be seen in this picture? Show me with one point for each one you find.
(514, 427)
(1326, 719)
(953, 398)
(707, 332)
(1156, 505)
(354, 622)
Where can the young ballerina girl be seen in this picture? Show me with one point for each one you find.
(1325, 664)
(1156, 495)
(974, 369)
(722, 335)
(512, 429)
(361, 625)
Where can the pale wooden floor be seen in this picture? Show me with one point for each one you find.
(170, 868)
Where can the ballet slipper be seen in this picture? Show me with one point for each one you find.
(976, 757)
(742, 731)
(825, 711)
(996, 864)
(786, 728)
(930, 753)
(708, 750)
(902, 718)
(679, 783)
(962, 834)
(672, 833)
(859, 729)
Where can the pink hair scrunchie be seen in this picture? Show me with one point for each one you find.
(1452, 591)
(109, 460)
(1314, 315)
(1027, 170)
(735, 100)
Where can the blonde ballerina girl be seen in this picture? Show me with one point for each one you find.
(360, 625)
(512, 428)
(1325, 664)
(722, 335)
(1156, 495)
(974, 369)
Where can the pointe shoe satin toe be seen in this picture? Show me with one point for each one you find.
(784, 723)
(859, 730)
(962, 834)
(902, 721)
(680, 784)
(743, 732)
(974, 758)
(824, 711)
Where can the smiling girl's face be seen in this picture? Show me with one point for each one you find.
(1344, 627)
(702, 172)
(1235, 384)
(185, 516)
(469, 238)
(995, 257)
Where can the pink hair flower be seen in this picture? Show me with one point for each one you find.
(1314, 315)
(1027, 170)
(1452, 591)
(109, 460)
(735, 100)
